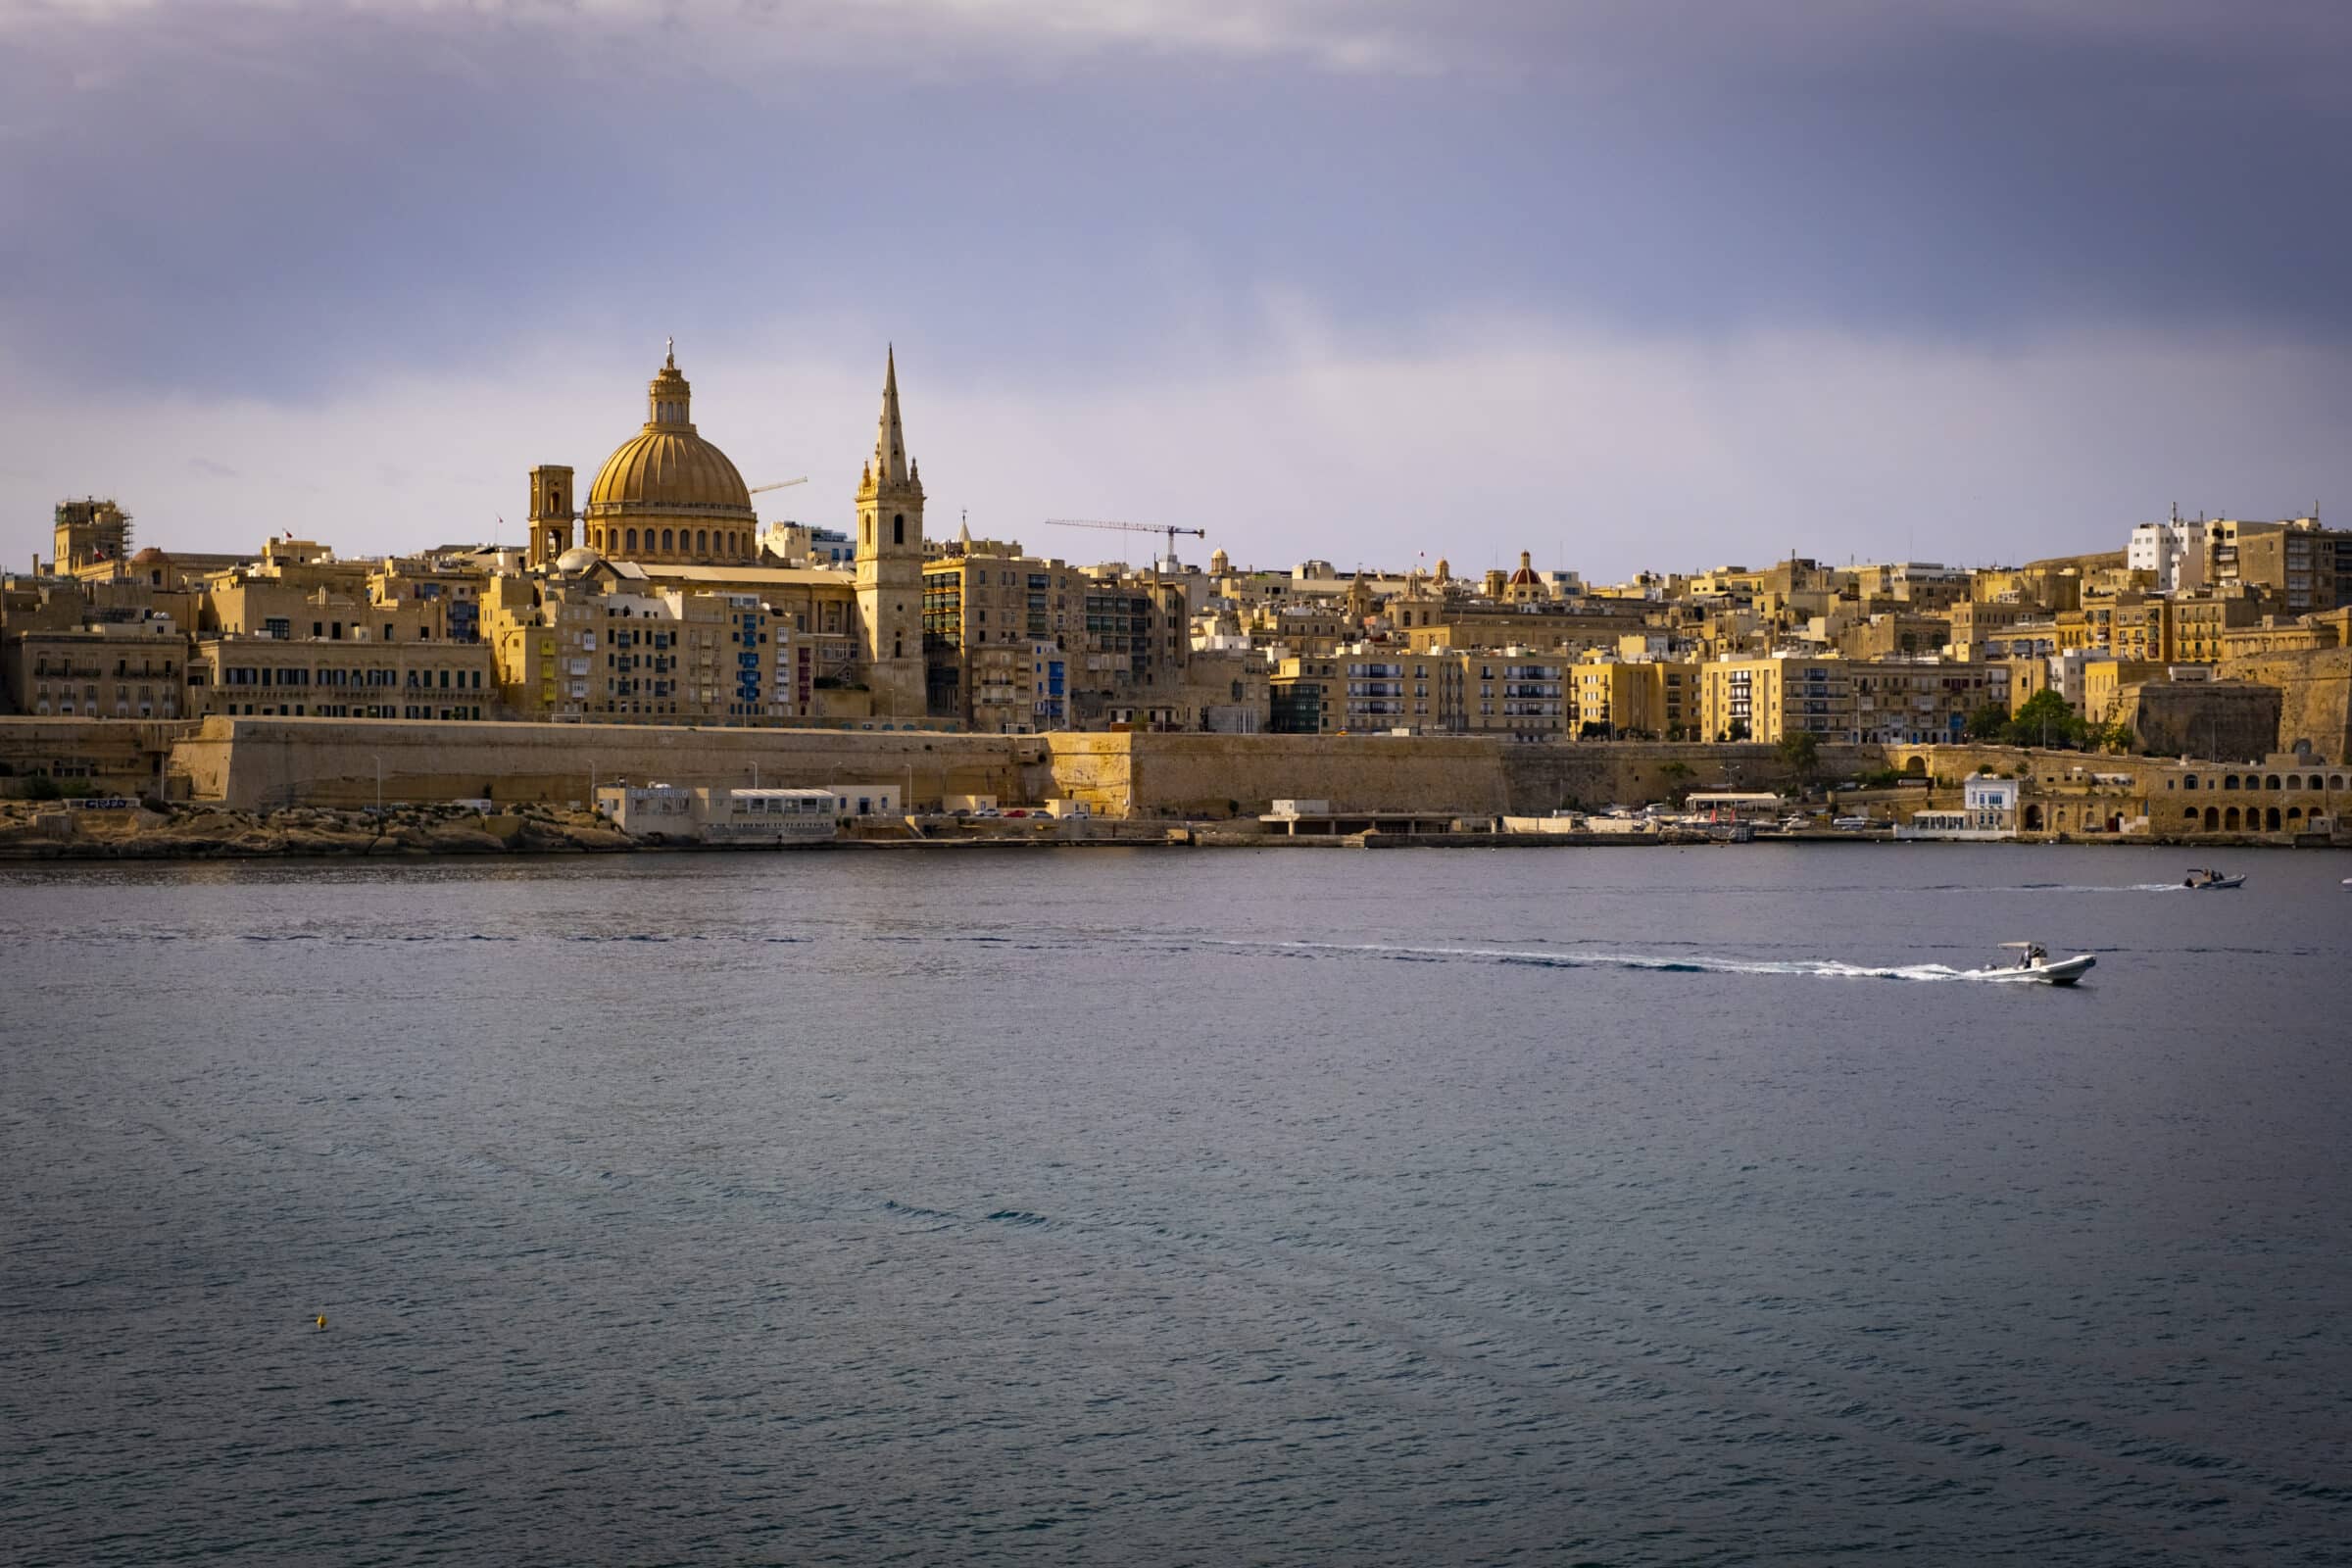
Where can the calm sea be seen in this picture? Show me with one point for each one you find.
(1113, 1206)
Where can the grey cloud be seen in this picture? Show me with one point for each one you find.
(295, 206)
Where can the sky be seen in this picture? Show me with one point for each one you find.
(1659, 284)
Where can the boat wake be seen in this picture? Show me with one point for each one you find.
(1818, 968)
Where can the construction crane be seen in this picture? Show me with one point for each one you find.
(1130, 527)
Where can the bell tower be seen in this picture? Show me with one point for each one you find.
(551, 513)
(890, 566)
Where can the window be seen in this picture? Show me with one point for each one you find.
(898, 528)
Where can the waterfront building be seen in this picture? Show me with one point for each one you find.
(1914, 701)
(712, 816)
(132, 668)
(1617, 698)
(322, 677)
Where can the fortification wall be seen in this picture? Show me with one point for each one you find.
(125, 756)
(1589, 775)
(2230, 721)
(1217, 775)
(2314, 690)
(259, 762)
(253, 763)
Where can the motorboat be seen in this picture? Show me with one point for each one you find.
(2200, 880)
(2033, 962)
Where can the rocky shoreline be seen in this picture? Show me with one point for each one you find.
(151, 830)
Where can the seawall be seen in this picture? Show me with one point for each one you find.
(260, 763)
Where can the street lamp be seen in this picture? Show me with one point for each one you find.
(379, 782)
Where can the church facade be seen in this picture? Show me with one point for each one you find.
(669, 514)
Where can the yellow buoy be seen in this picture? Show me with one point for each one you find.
(322, 1320)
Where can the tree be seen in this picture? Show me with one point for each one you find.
(2046, 720)
(1737, 731)
(1802, 751)
(1990, 722)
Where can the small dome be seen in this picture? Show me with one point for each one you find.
(1525, 577)
(149, 556)
(578, 559)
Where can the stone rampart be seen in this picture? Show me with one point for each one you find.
(1195, 775)
(2314, 689)
(125, 756)
(2225, 721)
(258, 763)
(1216, 775)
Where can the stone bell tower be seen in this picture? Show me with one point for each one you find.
(551, 513)
(890, 566)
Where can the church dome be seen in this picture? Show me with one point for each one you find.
(577, 560)
(667, 475)
(663, 470)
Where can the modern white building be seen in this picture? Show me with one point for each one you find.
(1987, 810)
(2175, 551)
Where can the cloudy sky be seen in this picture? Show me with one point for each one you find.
(1656, 283)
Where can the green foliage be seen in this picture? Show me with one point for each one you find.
(1676, 771)
(1990, 722)
(1802, 751)
(2046, 720)
(42, 787)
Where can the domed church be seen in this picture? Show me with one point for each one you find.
(666, 496)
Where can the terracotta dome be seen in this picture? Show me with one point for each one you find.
(667, 494)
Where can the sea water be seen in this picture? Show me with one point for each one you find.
(1619, 1206)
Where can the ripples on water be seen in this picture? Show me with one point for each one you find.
(1115, 1207)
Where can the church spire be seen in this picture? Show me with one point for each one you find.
(889, 442)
